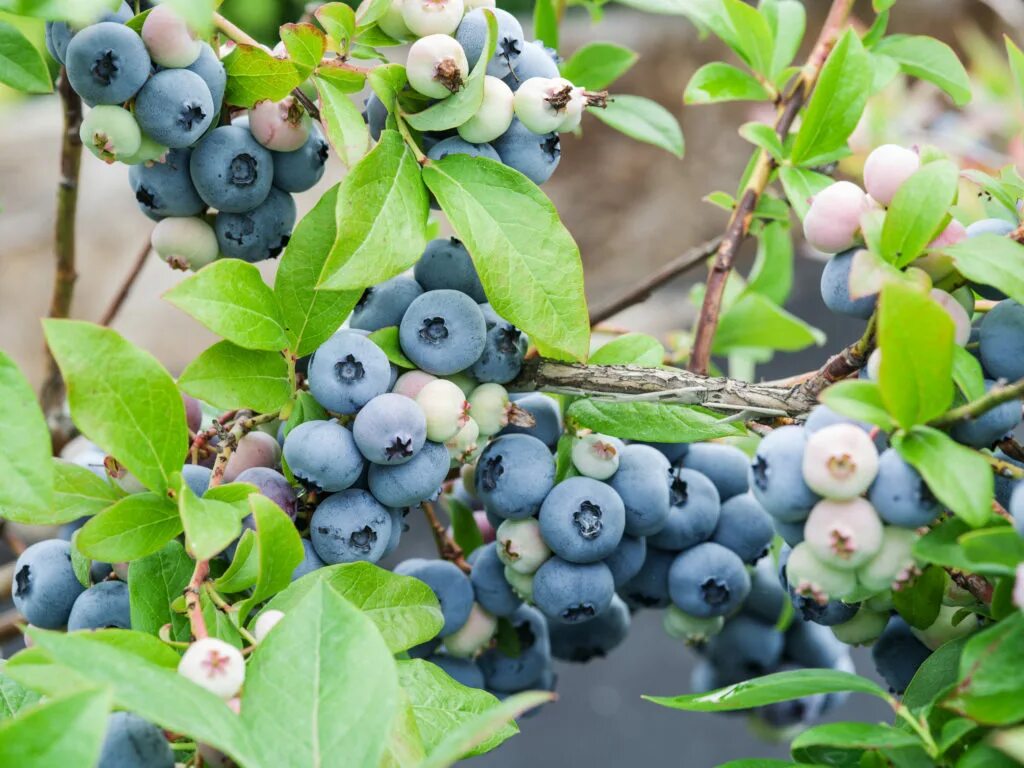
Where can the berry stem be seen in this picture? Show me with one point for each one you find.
(794, 97)
(129, 282)
(226, 608)
(994, 397)
(194, 609)
(446, 546)
(227, 445)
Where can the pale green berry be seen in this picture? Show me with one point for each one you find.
(942, 630)
(521, 583)
(863, 629)
(464, 446)
(692, 630)
(596, 456)
(474, 635)
(185, 242)
(810, 577)
(489, 405)
(494, 115)
(893, 565)
(520, 545)
(110, 133)
(445, 407)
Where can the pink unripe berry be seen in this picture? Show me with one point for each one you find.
(436, 65)
(520, 545)
(215, 665)
(256, 449)
(185, 242)
(887, 167)
(840, 461)
(833, 220)
(953, 233)
(168, 39)
(843, 534)
(281, 126)
(432, 17)
(486, 529)
(410, 383)
(474, 635)
(265, 622)
(957, 313)
(445, 407)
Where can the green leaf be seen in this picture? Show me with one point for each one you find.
(527, 260)
(22, 66)
(210, 526)
(788, 21)
(918, 212)
(801, 185)
(754, 321)
(63, 731)
(916, 338)
(305, 45)
(941, 546)
(154, 582)
(228, 377)
(14, 697)
(650, 422)
(278, 552)
(919, 602)
(563, 463)
(244, 569)
(968, 491)
(134, 527)
(781, 686)
(994, 550)
(404, 609)
(991, 260)
(750, 36)
(991, 690)
(339, 20)
(1016, 58)
(382, 214)
(305, 408)
(822, 743)
(643, 120)
(967, 374)
(26, 495)
(630, 349)
(836, 105)
(929, 59)
(230, 298)
(441, 705)
(717, 82)
(80, 564)
(483, 728)
(597, 65)
(343, 79)
(545, 23)
(220, 624)
(122, 399)
(322, 685)
(764, 137)
(346, 129)
(772, 273)
(154, 692)
(387, 340)
(858, 399)
(78, 492)
(404, 748)
(144, 646)
(311, 315)
(465, 531)
(939, 671)
(254, 75)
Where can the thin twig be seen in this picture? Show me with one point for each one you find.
(842, 365)
(227, 445)
(994, 397)
(739, 222)
(192, 604)
(1003, 468)
(446, 546)
(129, 282)
(974, 583)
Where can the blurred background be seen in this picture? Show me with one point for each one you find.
(631, 208)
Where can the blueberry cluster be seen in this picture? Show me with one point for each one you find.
(157, 104)
(526, 103)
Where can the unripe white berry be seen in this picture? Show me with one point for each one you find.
(692, 630)
(521, 583)
(185, 242)
(445, 407)
(596, 456)
(833, 220)
(474, 635)
(885, 170)
(840, 461)
(810, 577)
(493, 117)
(489, 405)
(542, 104)
(465, 446)
(265, 622)
(215, 665)
(392, 23)
(437, 66)
(432, 17)
(844, 534)
(943, 630)
(574, 111)
(520, 545)
(893, 565)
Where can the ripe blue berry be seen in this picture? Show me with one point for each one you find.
(101, 606)
(231, 171)
(535, 60)
(310, 561)
(406, 485)
(900, 495)
(533, 155)
(390, 429)
(443, 332)
(45, 586)
(449, 584)
(490, 586)
(209, 67)
(582, 642)
(197, 477)
(693, 513)
(175, 107)
(547, 418)
(300, 170)
(165, 188)
(59, 33)
(627, 559)
(349, 526)
(514, 475)
(708, 580)
(745, 528)
(641, 482)
(464, 671)
(259, 234)
(447, 264)
(273, 485)
(982, 431)
(107, 63)
(582, 520)
(509, 674)
(898, 655)
(776, 478)
(383, 305)
(131, 742)
(835, 288)
(1001, 341)
(502, 358)
(456, 145)
(724, 465)
(745, 648)
(472, 34)
(572, 592)
(323, 455)
(347, 371)
(649, 587)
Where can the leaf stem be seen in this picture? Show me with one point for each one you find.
(904, 713)
(225, 607)
(192, 606)
(994, 397)
(403, 129)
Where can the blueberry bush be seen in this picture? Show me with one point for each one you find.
(213, 595)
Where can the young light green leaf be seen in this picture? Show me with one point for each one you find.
(755, 321)
(824, 743)
(991, 260)
(527, 260)
(772, 273)
(597, 65)
(339, 20)
(650, 422)
(750, 36)
(801, 185)
(80, 564)
(918, 212)
(278, 551)
(154, 582)
(14, 697)
(230, 298)
(545, 22)
(630, 349)
(387, 340)
(916, 338)
(210, 526)
(643, 120)
(968, 491)
(227, 376)
(836, 105)
(254, 75)
(382, 215)
(321, 685)
(929, 59)
(346, 129)
(967, 374)
(21, 65)
(718, 81)
(26, 495)
(122, 399)
(465, 531)
(787, 20)
(134, 527)
(858, 399)
(66, 731)
(244, 569)
(78, 492)
(305, 45)
(763, 136)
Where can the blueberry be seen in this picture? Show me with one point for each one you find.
(649, 588)
(503, 355)
(103, 605)
(767, 595)
(273, 485)
(376, 116)
(300, 170)
(59, 33)
(449, 584)
(383, 305)
(627, 559)
(674, 452)
(582, 520)
(1016, 507)
(406, 485)
(993, 425)
(1002, 341)
(197, 477)
(231, 171)
(776, 477)
(107, 63)
(212, 71)
(813, 645)
(323, 455)
(175, 107)
(592, 639)
(165, 188)
(390, 429)
(708, 580)
(745, 528)
(131, 742)
(509, 674)
(547, 417)
(447, 264)
(310, 561)
(535, 60)
(535, 156)
(455, 145)
(514, 475)
(398, 527)
(693, 513)
(350, 526)
(464, 671)
(745, 648)
(259, 234)
(641, 482)
(900, 495)
(835, 288)
(572, 592)
(791, 533)
(348, 371)
(898, 655)
(472, 34)
(443, 332)
(724, 465)
(45, 586)
(490, 587)
(794, 712)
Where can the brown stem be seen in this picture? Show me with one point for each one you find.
(446, 546)
(52, 393)
(972, 582)
(743, 214)
(843, 365)
(129, 282)
(227, 445)
(644, 288)
(1012, 448)
(192, 604)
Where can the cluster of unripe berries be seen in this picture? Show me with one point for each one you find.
(526, 103)
(157, 104)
